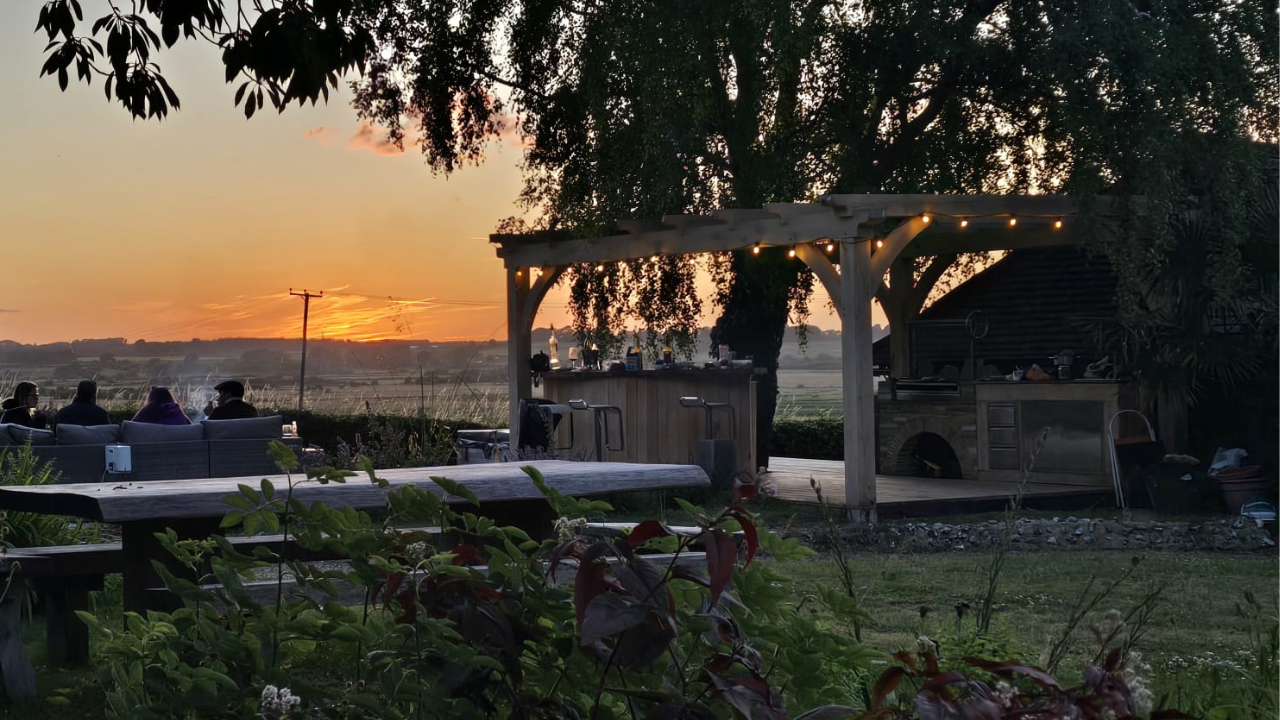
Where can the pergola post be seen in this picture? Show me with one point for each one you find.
(856, 378)
(519, 347)
(899, 311)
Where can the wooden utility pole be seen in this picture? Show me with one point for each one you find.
(306, 308)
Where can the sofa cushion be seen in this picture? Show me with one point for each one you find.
(134, 432)
(21, 435)
(244, 429)
(69, 434)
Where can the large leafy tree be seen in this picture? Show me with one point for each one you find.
(642, 108)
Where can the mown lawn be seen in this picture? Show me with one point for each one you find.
(1195, 629)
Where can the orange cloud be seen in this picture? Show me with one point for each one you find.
(323, 135)
(375, 139)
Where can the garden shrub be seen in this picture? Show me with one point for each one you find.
(20, 466)
(397, 440)
(438, 638)
(813, 438)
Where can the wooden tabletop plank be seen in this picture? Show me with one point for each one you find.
(491, 482)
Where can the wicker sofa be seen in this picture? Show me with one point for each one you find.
(212, 448)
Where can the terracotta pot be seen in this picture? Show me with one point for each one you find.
(1237, 492)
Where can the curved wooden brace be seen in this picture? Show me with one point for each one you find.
(894, 243)
(537, 293)
(822, 266)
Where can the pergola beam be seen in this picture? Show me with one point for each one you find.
(738, 231)
(955, 205)
(942, 241)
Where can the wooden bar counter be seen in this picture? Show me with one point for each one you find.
(658, 428)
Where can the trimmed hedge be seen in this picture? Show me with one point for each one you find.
(814, 439)
(326, 429)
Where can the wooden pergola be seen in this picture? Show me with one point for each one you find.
(921, 225)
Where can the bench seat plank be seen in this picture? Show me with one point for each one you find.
(491, 482)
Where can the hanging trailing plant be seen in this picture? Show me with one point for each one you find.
(612, 302)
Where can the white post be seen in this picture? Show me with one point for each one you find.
(859, 399)
(519, 348)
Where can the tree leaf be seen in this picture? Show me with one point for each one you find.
(646, 531)
(887, 683)
(827, 712)
(1040, 677)
(455, 488)
(610, 614)
(748, 524)
(722, 556)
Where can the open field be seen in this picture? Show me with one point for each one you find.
(476, 392)
(809, 393)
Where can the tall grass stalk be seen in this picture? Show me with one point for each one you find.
(1086, 602)
(843, 562)
(987, 603)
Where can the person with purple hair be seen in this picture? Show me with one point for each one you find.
(161, 409)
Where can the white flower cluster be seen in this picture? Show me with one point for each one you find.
(1115, 620)
(1136, 673)
(417, 552)
(1235, 665)
(1005, 692)
(566, 528)
(925, 645)
(281, 701)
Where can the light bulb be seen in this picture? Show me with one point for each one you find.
(925, 217)
(1057, 224)
(1013, 222)
(653, 259)
(964, 222)
(755, 249)
(600, 268)
(519, 273)
(830, 247)
(879, 243)
(791, 252)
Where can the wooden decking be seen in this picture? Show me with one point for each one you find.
(790, 477)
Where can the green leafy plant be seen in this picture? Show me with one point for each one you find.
(472, 619)
(19, 466)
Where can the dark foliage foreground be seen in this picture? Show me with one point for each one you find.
(480, 629)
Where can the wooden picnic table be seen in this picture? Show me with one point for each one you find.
(194, 508)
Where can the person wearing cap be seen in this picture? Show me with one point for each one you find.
(230, 404)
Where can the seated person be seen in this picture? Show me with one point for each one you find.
(230, 404)
(84, 409)
(21, 408)
(161, 409)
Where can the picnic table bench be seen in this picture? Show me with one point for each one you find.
(194, 509)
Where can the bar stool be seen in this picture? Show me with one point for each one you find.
(718, 457)
(600, 420)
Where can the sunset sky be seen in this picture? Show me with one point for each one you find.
(199, 225)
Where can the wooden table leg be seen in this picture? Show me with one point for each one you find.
(66, 635)
(19, 676)
(141, 546)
